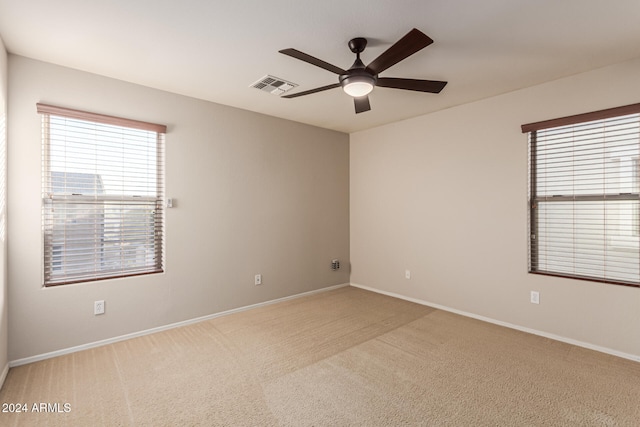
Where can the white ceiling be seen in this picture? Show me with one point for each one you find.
(214, 49)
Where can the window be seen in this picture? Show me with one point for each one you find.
(584, 205)
(103, 192)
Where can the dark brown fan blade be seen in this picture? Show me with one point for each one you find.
(362, 104)
(310, 91)
(432, 86)
(403, 48)
(312, 60)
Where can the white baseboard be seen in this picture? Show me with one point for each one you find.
(3, 375)
(100, 343)
(606, 350)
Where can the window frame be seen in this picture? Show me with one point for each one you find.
(50, 199)
(534, 199)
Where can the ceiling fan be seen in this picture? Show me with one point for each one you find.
(359, 80)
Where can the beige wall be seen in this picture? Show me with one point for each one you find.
(445, 196)
(4, 304)
(253, 194)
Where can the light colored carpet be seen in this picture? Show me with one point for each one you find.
(343, 357)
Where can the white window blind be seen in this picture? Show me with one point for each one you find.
(584, 186)
(103, 192)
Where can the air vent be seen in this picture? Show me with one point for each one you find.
(273, 85)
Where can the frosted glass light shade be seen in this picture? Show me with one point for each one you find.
(358, 88)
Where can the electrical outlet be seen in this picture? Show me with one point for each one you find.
(407, 274)
(535, 297)
(258, 279)
(98, 307)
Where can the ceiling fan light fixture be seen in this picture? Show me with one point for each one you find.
(359, 80)
(358, 89)
(358, 86)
